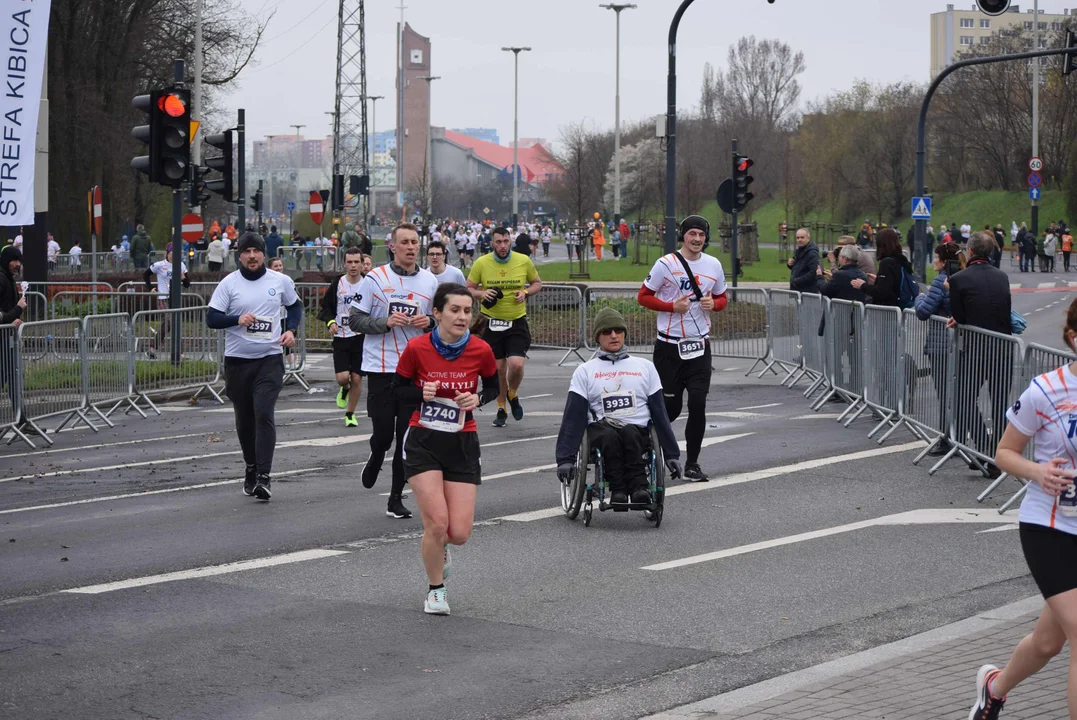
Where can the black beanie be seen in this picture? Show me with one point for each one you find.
(695, 222)
(251, 240)
(8, 254)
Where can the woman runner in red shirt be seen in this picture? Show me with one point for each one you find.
(440, 372)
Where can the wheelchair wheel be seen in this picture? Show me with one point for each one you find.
(572, 493)
(659, 480)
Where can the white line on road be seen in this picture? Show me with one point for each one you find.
(1015, 286)
(743, 477)
(814, 416)
(913, 517)
(1001, 528)
(1046, 285)
(105, 445)
(760, 407)
(209, 571)
(316, 442)
(536, 397)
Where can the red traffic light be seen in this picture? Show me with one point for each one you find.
(744, 164)
(172, 105)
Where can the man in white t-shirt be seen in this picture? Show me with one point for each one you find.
(395, 304)
(76, 253)
(53, 251)
(163, 270)
(966, 232)
(347, 344)
(436, 255)
(685, 288)
(246, 305)
(624, 395)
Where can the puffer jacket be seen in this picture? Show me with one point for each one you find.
(936, 301)
(802, 275)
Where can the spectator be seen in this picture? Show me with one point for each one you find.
(838, 285)
(865, 237)
(12, 302)
(804, 263)
(215, 254)
(1067, 248)
(624, 241)
(1028, 245)
(615, 238)
(1000, 240)
(980, 297)
(865, 261)
(598, 241)
(523, 244)
(936, 302)
(76, 253)
(352, 238)
(1050, 245)
(274, 242)
(141, 247)
(1041, 255)
(894, 284)
(966, 232)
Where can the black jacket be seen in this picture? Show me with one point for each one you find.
(980, 297)
(887, 286)
(802, 275)
(9, 297)
(840, 287)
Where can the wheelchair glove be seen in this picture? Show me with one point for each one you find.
(566, 472)
(674, 467)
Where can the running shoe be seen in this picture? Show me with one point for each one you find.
(371, 470)
(436, 603)
(342, 397)
(261, 489)
(350, 421)
(501, 418)
(448, 564)
(694, 473)
(250, 479)
(396, 509)
(517, 409)
(987, 706)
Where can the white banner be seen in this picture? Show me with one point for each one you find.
(24, 30)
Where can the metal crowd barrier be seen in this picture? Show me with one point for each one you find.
(557, 320)
(295, 359)
(315, 332)
(200, 363)
(52, 384)
(843, 335)
(812, 310)
(929, 372)
(108, 365)
(884, 351)
(9, 385)
(80, 303)
(783, 333)
(740, 331)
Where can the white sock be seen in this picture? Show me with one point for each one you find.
(991, 688)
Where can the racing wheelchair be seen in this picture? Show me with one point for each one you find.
(589, 484)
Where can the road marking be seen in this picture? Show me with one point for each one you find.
(1072, 283)
(315, 442)
(536, 397)
(813, 416)
(737, 415)
(208, 571)
(1015, 286)
(106, 445)
(1001, 528)
(183, 488)
(1044, 285)
(913, 517)
(760, 407)
(744, 477)
(707, 442)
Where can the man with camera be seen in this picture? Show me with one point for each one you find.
(502, 282)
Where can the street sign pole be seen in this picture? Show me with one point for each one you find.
(734, 229)
(176, 289)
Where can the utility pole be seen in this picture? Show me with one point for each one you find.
(428, 164)
(241, 202)
(298, 162)
(1035, 210)
(374, 166)
(176, 287)
(617, 114)
(516, 133)
(400, 109)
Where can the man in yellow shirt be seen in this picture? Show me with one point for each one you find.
(501, 281)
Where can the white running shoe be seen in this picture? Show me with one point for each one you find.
(436, 603)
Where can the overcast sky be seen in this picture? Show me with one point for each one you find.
(569, 75)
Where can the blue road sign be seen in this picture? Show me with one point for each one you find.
(1035, 193)
(921, 208)
(291, 206)
(1035, 180)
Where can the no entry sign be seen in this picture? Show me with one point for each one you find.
(317, 208)
(191, 227)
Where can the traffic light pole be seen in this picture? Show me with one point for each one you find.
(735, 228)
(176, 288)
(920, 244)
(671, 132)
(241, 201)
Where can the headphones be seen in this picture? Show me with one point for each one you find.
(706, 228)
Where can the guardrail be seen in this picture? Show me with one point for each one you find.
(153, 368)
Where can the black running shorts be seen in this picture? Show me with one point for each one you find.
(1052, 558)
(456, 455)
(679, 375)
(348, 354)
(511, 342)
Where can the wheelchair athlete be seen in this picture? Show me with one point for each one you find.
(624, 395)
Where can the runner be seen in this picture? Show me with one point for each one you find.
(347, 345)
(163, 270)
(685, 288)
(444, 273)
(393, 306)
(246, 304)
(502, 281)
(439, 372)
(1047, 413)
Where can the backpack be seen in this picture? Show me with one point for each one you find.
(907, 291)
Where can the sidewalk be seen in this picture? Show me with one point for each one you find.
(931, 676)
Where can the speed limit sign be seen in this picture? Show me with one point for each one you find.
(1035, 164)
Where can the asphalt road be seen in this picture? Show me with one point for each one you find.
(811, 542)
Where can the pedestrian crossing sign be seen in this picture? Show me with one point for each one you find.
(921, 208)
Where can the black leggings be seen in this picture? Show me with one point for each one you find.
(681, 376)
(253, 387)
(390, 418)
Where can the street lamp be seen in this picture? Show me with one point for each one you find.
(429, 209)
(374, 133)
(617, 8)
(516, 131)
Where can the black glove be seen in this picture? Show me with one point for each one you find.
(566, 472)
(674, 467)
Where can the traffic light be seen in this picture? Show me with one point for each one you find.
(197, 190)
(149, 134)
(167, 135)
(363, 186)
(338, 192)
(741, 181)
(256, 199)
(222, 164)
(993, 7)
(1069, 60)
